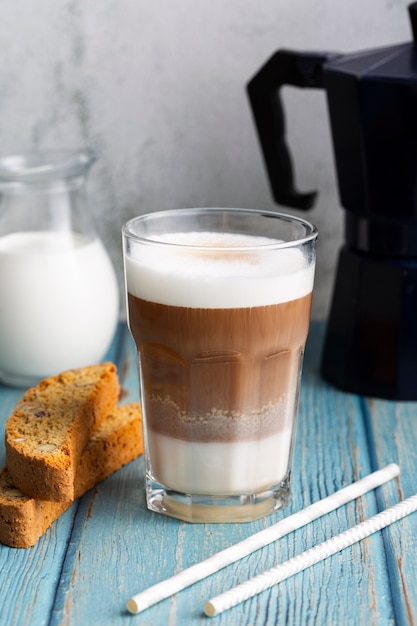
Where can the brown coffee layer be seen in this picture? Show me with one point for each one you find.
(218, 374)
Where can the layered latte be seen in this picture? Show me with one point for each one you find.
(220, 322)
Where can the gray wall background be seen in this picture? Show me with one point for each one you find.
(157, 89)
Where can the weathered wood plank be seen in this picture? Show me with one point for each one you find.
(393, 428)
(29, 578)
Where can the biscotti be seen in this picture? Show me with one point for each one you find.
(50, 427)
(116, 442)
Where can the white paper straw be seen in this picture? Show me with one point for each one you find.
(302, 561)
(195, 573)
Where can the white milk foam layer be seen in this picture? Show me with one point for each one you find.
(220, 468)
(228, 271)
(59, 302)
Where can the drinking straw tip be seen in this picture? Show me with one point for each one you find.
(131, 606)
(209, 609)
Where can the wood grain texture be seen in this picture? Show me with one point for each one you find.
(108, 546)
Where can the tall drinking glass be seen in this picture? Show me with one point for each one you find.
(219, 307)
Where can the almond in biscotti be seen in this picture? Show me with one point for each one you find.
(49, 428)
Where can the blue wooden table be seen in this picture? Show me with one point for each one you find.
(107, 546)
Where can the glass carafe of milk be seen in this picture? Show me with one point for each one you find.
(59, 300)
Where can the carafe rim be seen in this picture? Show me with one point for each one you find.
(43, 166)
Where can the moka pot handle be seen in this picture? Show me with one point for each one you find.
(285, 67)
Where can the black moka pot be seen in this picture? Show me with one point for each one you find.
(371, 339)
